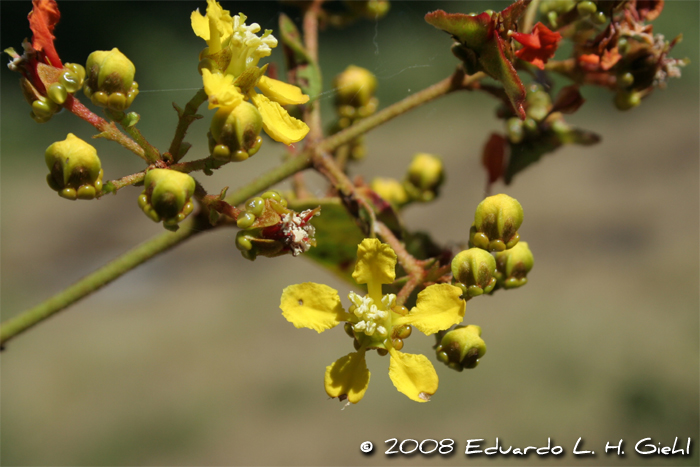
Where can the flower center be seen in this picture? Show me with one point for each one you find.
(373, 321)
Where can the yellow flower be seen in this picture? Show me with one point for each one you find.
(375, 322)
(230, 72)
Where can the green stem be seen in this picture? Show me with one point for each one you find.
(99, 278)
(113, 186)
(530, 14)
(107, 130)
(151, 154)
(452, 83)
(274, 176)
(185, 119)
(139, 255)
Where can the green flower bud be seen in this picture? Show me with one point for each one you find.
(75, 169)
(391, 190)
(73, 77)
(625, 80)
(371, 9)
(627, 100)
(424, 177)
(461, 348)
(496, 223)
(586, 8)
(355, 89)
(513, 265)
(57, 93)
(515, 130)
(474, 272)
(538, 103)
(235, 132)
(110, 79)
(167, 196)
(599, 18)
(557, 6)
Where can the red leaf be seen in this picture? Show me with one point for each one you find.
(493, 159)
(42, 21)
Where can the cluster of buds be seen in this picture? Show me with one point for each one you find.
(461, 347)
(354, 100)
(75, 169)
(269, 228)
(110, 80)
(107, 78)
(496, 259)
(476, 271)
(167, 196)
(46, 88)
(424, 177)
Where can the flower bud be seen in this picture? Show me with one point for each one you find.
(538, 103)
(355, 92)
(235, 132)
(461, 348)
(369, 9)
(625, 100)
(391, 190)
(496, 223)
(424, 177)
(474, 272)
(586, 8)
(513, 265)
(167, 196)
(75, 169)
(110, 79)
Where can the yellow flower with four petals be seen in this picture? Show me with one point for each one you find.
(230, 72)
(375, 322)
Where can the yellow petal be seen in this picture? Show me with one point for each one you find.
(376, 263)
(438, 307)
(277, 122)
(413, 375)
(200, 25)
(216, 17)
(313, 306)
(220, 89)
(280, 92)
(348, 377)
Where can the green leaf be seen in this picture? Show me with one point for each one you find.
(480, 40)
(524, 154)
(494, 62)
(471, 31)
(303, 70)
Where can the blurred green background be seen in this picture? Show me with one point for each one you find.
(188, 361)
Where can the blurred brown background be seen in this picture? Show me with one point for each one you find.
(188, 361)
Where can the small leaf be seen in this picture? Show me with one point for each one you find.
(528, 152)
(303, 70)
(493, 159)
(568, 101)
